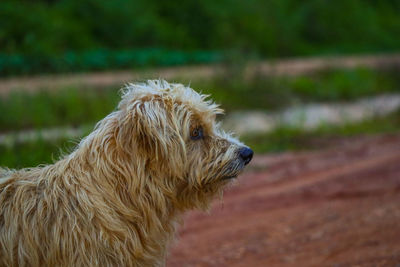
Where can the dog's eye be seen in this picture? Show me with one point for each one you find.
(196, 133)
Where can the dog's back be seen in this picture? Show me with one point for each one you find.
(4, 173)
(10, 220)
(46, 220)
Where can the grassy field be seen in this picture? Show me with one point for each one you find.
(69, 106)
(286, 138)
(282, 139)
(77, 107)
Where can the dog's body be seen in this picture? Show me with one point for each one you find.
(116, 199)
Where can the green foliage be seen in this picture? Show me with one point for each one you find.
(339, 85)
(101, 59)
(289, 138)
(73, 106)
(86, 106)
(281, 139)
(236, 92)
(81, 35)
(66, 107)
(34, 153)
(259, 93)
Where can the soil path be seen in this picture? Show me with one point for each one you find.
(335, 207)
(294, 66)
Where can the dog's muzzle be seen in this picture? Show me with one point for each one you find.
(246, 154)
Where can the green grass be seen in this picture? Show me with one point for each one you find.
(85, 106)
(33, 153)
(345, 84)
(73, 106)
(288, 138)
(270, 93)
(66, 107)
(281, 139)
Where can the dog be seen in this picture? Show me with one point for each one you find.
(117, 199)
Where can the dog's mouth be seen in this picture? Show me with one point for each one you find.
(228, 177)
(233, 171)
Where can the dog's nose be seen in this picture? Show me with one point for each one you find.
(246, 154)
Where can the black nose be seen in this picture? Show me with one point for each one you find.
(246, 154)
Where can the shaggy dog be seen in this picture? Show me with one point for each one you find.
(117, 198)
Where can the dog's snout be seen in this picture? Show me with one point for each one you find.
(246, 154)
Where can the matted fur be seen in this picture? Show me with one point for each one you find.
(117, 198)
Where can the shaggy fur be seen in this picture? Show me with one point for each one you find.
(117, 198)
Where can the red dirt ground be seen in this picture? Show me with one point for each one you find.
(335, 207)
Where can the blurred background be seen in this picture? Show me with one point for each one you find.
(312, 86)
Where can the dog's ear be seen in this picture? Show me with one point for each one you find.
(149, 127)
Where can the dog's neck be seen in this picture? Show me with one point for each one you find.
(127, 194)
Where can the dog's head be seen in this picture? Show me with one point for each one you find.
(171, 132)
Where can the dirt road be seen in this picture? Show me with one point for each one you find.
(334, 207)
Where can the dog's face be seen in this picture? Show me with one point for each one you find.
(214, 159)
(174, 129)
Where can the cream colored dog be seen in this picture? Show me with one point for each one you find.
(116, 199)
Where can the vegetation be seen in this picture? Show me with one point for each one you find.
(282, 139)
(69, 106)
(286, 138)
(85, 106)
(101, 59)
(33, 153)
(80, 35)
(73, 107)
(268, 93)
